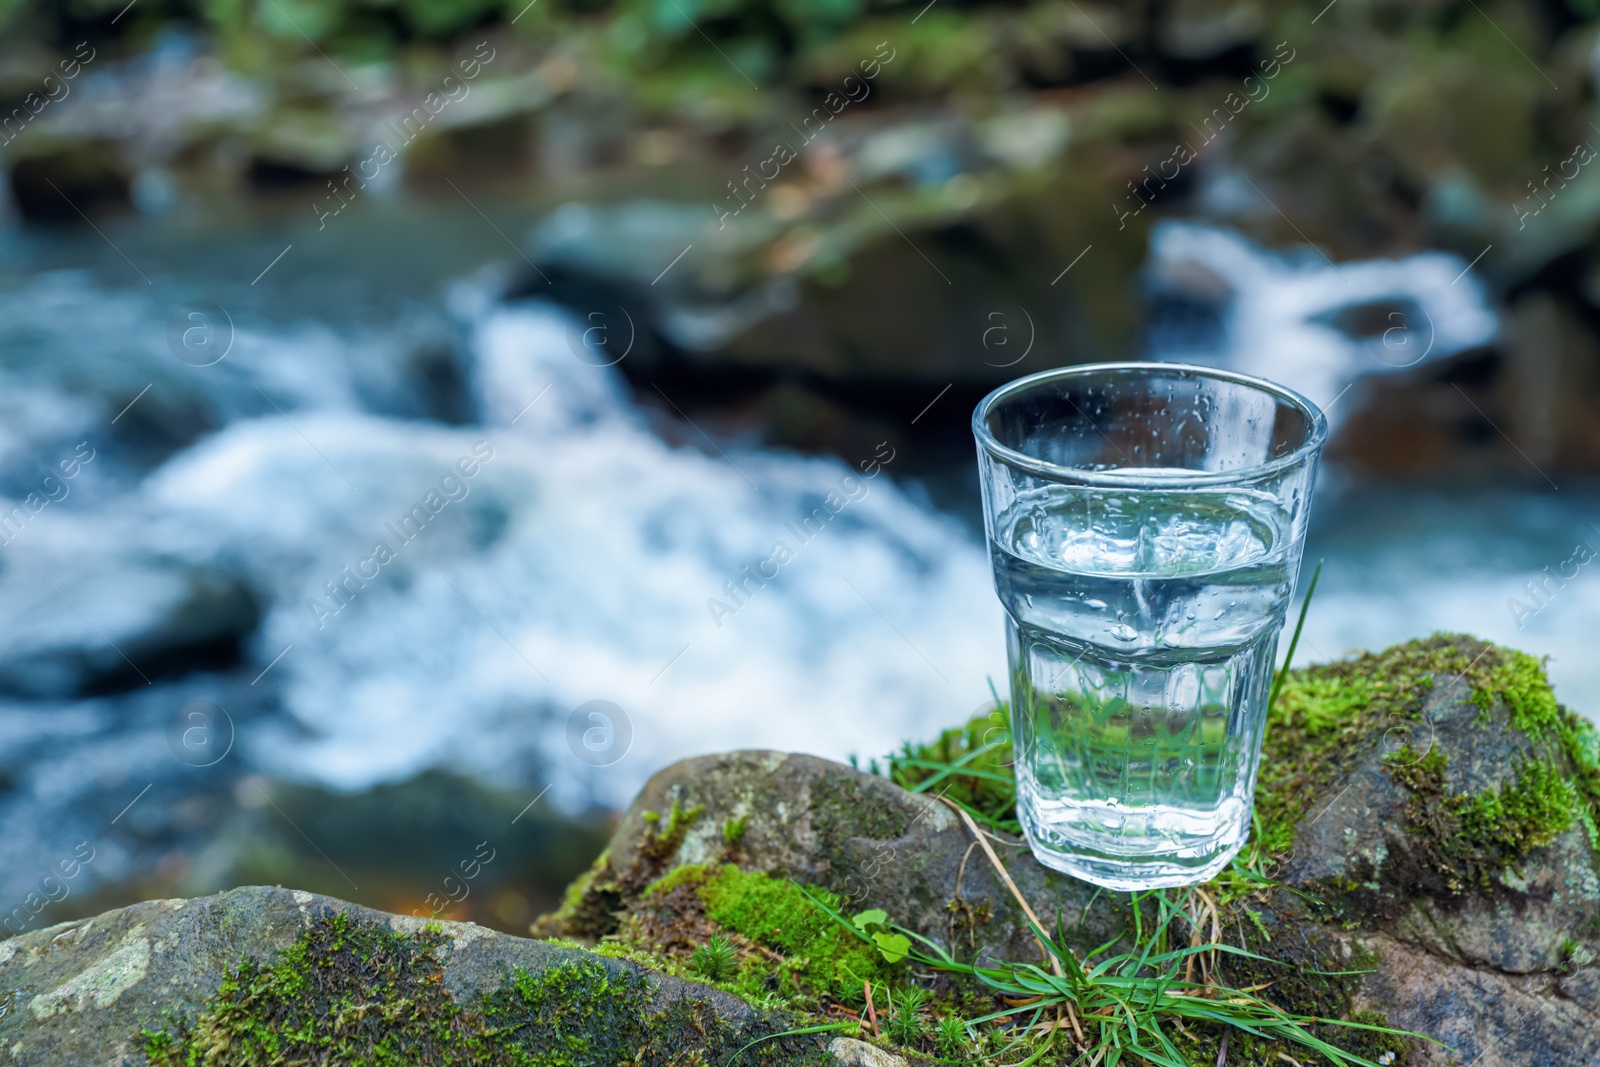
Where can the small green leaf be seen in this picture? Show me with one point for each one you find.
(875, 917)
(893, 947)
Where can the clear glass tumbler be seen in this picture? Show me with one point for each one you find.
(1145, 521)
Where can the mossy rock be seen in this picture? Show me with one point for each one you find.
(855, 835)
(272, 976)
(1440, 792)
(1428, 812)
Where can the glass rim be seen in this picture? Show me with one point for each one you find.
(1178, 477)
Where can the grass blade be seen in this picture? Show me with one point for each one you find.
(826, 1028)
(1294, 642)
(958, 767)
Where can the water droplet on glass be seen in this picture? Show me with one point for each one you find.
(1098, 605)
(1123, 632)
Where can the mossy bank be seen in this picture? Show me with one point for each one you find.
(1424, 860)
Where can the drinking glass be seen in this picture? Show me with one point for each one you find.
(1145, 522)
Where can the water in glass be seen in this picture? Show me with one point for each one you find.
(1142, 628)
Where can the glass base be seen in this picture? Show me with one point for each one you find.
(1132, 877)
(1195, 863)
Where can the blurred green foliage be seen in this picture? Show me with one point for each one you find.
(770, 41)
(1478, 57)
(1393, 121)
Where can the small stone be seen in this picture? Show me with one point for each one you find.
(848, 1052)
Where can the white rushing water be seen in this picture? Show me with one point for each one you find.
(1283, 312)
(582, 559)
(586, 560)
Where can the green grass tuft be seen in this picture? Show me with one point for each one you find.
(904, 1023)
(716, 960)
(951, 1038)
(970, 765)
(1131, 1005)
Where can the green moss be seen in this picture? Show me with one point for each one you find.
(361, 995)
(568, 1010)
(733, 831)
(1524, 816)
(574, 893)
(345, 992)
(159, 1046)
(774, 912)
(1323, 712)
(1465, 838)
(661, 839)
(1321, 705)
(788, 954)
(582, 1012)
(797, 954)
(1519, 680)
(692, 874)
(1582, 744)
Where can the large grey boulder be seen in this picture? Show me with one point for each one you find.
(127, 987)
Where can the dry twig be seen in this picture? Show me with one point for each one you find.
(1005, 876)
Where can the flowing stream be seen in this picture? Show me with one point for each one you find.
(401, 525)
